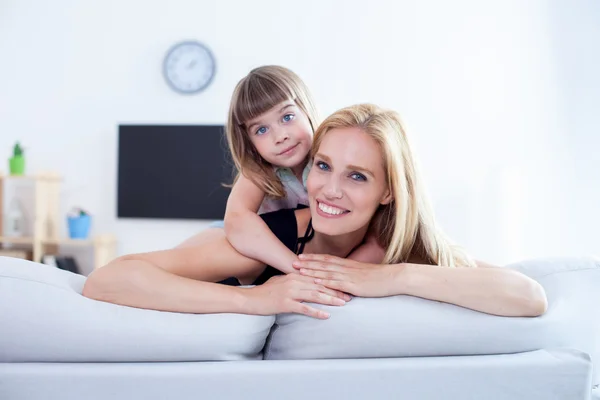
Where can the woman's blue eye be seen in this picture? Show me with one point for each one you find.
(288, 117)
(358, 177)
(261, 130)
(322, 166)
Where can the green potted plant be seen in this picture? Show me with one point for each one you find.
(17, 161)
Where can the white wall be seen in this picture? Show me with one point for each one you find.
(499, 98)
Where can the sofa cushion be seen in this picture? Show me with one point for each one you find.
(45, 318)
(405, 326)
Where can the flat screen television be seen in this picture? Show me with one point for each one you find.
(173, 171)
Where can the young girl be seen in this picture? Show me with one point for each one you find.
(270, 128)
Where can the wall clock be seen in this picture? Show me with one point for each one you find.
(189, 67)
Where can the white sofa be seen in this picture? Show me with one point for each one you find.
(57, 344)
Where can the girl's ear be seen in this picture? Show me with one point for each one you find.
(387, 197)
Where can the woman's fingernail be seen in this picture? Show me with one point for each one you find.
(318, 280)
(339, 302)
(301, 256)
(348, 298)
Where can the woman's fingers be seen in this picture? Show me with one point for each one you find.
(318, 265)
(342, 286)
(323, 289)
(322, 258)
(335, 293)
(302, 289)
(332, 276)
(301, 308)
(314, 295)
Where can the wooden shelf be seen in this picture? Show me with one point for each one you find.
(16, 240)
(44, 176)
(67, 241)
(60, 241)
(45, 237)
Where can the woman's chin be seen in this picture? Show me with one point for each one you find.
(330, 226)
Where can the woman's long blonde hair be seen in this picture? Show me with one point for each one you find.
(406, 226)
(258, 92)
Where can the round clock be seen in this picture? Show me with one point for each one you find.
(189, 67)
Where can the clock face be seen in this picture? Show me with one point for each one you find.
(189, 67)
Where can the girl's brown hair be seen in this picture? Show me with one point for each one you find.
(258, 92)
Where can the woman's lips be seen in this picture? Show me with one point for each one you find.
(329, 210)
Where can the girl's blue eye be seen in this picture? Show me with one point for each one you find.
(358, 177)
(322, 166)
(261, 130)
(288, 117)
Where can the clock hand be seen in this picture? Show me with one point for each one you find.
(191, 64)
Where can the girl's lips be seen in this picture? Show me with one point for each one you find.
(288, 151)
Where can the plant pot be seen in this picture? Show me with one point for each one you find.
(17, 165)
(79, 227)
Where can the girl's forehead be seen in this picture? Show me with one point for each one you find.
(272, 112)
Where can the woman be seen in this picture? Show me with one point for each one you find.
(363, 177)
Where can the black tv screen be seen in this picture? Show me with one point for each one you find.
(173, 171)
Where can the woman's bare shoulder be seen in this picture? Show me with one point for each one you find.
(302, 220)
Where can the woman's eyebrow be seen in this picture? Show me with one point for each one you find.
(350, 166)
(361, 169)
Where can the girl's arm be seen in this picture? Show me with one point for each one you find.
(181, 280)
(248, 233)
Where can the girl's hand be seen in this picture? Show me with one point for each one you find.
(357, 278)
(286, 293)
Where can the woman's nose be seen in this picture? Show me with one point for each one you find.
(332, 189)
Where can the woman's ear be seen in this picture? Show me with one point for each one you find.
(387, 197)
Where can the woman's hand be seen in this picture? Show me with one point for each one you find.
(357, 278)
(286, 293)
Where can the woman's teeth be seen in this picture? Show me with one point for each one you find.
(331, 210)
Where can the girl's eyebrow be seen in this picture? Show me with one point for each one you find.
(253, 124)
(287, 106)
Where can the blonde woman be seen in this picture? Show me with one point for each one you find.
(363, 179)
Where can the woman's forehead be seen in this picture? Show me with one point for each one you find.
(351, 146)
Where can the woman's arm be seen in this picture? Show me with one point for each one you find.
(493, 290)
(175, 279)
(248, 233)
(180, 280)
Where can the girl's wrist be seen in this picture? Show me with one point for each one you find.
(287, 265)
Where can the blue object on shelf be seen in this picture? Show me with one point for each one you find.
(79, 227)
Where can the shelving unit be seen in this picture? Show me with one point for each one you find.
(47, 220)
